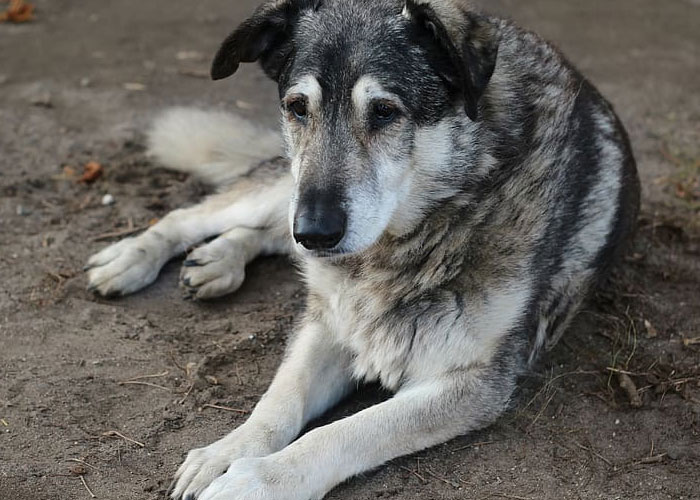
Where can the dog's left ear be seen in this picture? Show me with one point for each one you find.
(469, 40)
(266, 37)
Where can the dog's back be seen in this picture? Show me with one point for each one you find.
(565, 179)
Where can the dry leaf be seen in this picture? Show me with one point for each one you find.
(18, 11)
(153, 221)
(628, 386)
(92, 172)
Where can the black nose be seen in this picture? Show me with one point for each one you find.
(319, 223)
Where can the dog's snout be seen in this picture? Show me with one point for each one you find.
(319, 223)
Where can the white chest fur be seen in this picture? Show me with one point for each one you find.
(356, 320)
(420, 343)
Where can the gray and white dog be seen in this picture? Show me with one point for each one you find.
(453, 188)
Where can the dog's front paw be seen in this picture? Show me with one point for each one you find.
(126, 267)
(213, 270)
(246, 478)
(257, 479)
(204, 465)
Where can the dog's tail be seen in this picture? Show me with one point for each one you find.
(214, 146)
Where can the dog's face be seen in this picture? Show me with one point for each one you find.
(366, 88)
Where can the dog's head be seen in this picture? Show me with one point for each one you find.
(371, 94)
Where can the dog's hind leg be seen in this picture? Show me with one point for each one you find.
(252, 202)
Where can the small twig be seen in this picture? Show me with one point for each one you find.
(421, 478)
(125, 438)
(625, 372)
(137, 382)
(225, 408)
(473, 445)
(177, 365)
(651, 460)
(82, 480)
(680, 381)
(593, 452)
(142, 377)
(446, 481)
(83, 462)
(196, 73)
(189, 390)
(539, 413)
(503, 495)
(117, 234)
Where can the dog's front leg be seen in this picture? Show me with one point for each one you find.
(419, 416)
(314, 376)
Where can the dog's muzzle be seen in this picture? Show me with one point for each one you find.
(319, 223)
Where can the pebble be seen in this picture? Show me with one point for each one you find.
(42, 99)
(23, 211)
(108, 200)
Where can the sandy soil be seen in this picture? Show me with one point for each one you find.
(80, 82)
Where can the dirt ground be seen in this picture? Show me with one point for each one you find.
(114, 392)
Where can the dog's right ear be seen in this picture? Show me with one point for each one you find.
(266, 37)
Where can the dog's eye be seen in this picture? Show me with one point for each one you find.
(298, 109)
(384, 112)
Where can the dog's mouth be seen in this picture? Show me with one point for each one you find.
(327, 254)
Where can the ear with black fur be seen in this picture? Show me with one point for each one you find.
(480, 52)
(266, 37)
(471, 47)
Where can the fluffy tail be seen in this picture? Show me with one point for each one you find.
(216, 147)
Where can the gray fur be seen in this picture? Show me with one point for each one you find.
(478, 219)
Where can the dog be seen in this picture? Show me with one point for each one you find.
(452, 189)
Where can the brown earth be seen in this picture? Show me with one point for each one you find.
(80, 82)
